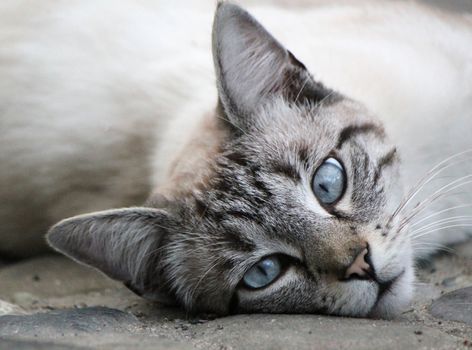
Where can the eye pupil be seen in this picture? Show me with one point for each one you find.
(329, 181)
(261, 270)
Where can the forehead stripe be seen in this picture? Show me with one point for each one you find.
(353, 130)
(383, 162)
(388, 158)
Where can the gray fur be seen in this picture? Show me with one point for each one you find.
(258, 200)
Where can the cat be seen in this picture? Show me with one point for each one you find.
(267, 190)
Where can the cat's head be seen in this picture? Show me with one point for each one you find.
(293, 214)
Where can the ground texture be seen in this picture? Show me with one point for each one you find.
(54, 303)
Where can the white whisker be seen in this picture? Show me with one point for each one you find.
(436, 195)
(430, 175)
(439, 228)
(422, 284)
(301, 89)
(439, 213)
(440, 248)
(453, 219)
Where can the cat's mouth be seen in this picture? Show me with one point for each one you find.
(386, 287)
(391, 296)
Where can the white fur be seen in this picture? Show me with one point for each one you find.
(103, 95)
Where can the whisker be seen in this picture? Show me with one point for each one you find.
(228, 121)
(404, 223)
(462, 218)
(445, 249)
(456, 182)
(437, 194)
(429, 176)
(422, 284)
(320, 103)
(439, 213)
(439, 228)
(301, 89)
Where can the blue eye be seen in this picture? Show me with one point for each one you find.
(263, 273)
(328, 182)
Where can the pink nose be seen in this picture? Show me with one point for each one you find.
(360, 268)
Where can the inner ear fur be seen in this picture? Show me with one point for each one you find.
(122, 243)
(252, 66)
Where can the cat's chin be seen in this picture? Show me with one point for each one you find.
(396, 299)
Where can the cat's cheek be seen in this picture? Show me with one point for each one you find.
(397, 299)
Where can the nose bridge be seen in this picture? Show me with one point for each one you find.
(335, 253)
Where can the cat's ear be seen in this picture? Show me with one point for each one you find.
(122, 243)
(252, 66)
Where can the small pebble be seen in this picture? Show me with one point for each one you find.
(454, 306)
(449, 282)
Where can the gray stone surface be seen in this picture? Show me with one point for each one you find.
(68, 322)
(455, 306)
(16, 344)
(315, 332)
(87, 328)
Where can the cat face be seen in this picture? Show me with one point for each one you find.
(294, 214)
